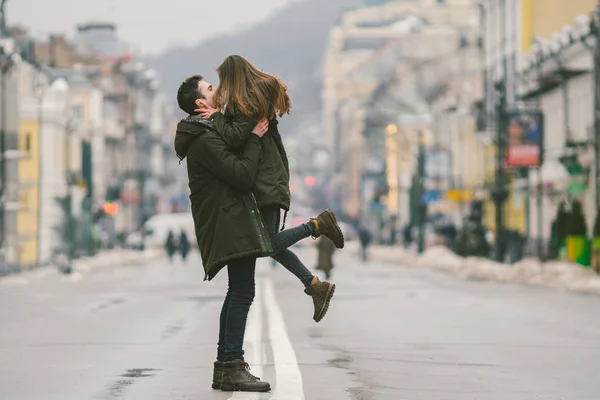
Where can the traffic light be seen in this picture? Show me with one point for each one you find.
(310, 180)
(111, 208)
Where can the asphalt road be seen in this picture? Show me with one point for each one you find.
(149, 331)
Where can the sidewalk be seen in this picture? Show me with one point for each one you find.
(104, 259)
(557, 275)
(116, 257)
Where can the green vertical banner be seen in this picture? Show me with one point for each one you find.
(578, 250)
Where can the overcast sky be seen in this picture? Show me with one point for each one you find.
(150, 25)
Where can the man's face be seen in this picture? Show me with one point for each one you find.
(207, 91)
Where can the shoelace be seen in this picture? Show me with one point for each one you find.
(246, 370)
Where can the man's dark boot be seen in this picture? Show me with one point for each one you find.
(237, 378)
(321, 293)
(218, 375)
(326, 225)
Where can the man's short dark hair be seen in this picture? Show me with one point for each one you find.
(188, 93)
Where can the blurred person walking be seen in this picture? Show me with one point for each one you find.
(325, 248)
(184, 245)
(365, 237)
(171, 245)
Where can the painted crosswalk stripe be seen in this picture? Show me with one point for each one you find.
(287, 373)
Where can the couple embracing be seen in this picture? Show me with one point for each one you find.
(239, 182)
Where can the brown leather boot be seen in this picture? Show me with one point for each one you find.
(237, 378)
(321, 293)
(326, 225)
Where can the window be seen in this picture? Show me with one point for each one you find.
(78, 112)
(28, 142)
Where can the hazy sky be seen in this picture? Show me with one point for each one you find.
(151, 25)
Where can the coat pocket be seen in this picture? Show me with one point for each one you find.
(229, 206)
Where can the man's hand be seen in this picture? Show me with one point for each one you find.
(261, 128)
(205, 110)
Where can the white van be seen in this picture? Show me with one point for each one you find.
(158, 226)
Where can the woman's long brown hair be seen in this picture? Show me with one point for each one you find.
(246, 89)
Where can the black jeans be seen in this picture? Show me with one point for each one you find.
(241, 290)
(236, 306)
(282, 240)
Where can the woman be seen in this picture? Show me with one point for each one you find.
(249, 95)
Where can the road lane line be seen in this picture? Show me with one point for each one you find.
(287, 373)
(253, 341)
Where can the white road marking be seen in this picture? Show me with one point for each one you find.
(287, 373)
(253, 340)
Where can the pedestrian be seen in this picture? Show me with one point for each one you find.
(325, 248)
(407, 237)
(225, 184)
(365, 237)
(171, 245)
(184, 245)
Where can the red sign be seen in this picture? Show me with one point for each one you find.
(525, 139)
(526, 155)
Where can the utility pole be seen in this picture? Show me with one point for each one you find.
(499, 194)
(3, 175)
(6, 63)
(70, 219)
(3, 27)
(420, 188)
(596, 24)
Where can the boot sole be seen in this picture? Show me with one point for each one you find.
(325, 307)
(339, 240)
(227, 388)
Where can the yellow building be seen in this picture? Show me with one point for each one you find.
(29, 180)
(543, 18)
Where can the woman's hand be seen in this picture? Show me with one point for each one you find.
(205, 110)
(261, 128)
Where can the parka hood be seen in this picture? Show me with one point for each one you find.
(188, 130)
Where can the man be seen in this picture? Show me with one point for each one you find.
(228, 226)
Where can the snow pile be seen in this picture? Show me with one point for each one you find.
(559, 275)
(116, 257)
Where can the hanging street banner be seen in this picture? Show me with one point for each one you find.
(525, 139)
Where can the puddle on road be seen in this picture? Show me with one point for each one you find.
(340, 362)
(172, 331)
(199, 299)
(117, 389)
(107, 304)
(138, 373)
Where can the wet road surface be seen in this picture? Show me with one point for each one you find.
(148, 332)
